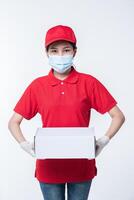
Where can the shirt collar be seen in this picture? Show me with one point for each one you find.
(71, 78)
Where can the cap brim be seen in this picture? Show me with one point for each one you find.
(58, 39)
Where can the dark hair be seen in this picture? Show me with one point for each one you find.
(73, 45)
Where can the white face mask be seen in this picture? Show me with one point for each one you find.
(60, 63)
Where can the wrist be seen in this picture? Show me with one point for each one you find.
(23, 141)
(108, 137)
(103, 140)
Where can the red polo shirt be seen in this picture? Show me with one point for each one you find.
(65, 103)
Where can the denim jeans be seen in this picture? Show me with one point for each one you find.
(56, 191)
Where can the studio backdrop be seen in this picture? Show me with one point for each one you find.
(104, 31)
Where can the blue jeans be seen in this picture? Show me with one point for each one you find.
(56, 191)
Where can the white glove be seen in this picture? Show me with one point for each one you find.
(28, 147)
(101, 143)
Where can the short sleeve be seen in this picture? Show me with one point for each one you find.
(101, 99)
(27, 104)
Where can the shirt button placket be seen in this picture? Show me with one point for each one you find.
(62, 92)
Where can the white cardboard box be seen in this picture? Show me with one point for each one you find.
(65, 142)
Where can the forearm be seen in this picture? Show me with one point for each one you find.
(16, 132)
(118, 119)
(115, 125)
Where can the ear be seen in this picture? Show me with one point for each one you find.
(75, 52)
(46, 53)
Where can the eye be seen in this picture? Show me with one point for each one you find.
(67, 50)
(53, 51)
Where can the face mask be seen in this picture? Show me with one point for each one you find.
(61, 63)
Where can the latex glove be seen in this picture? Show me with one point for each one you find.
(101, 143)
(28, 147)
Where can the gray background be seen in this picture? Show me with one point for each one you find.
(104, 31)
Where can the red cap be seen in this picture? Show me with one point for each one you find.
(60, 32)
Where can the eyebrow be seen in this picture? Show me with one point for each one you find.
(57, 47)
